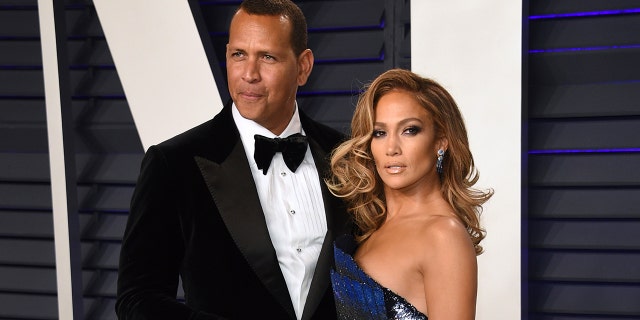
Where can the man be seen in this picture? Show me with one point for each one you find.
(250, 236)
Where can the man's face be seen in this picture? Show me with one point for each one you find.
(263, 72)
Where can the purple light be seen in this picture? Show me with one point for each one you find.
(11, 67)
(354, 28)
(631, 46)
(574, 151)
(349, 60)
(105, 97)
(585, 14)
(327, 92)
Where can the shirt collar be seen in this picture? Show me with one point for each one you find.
(249, 128)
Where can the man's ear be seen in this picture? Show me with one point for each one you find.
(305, 65)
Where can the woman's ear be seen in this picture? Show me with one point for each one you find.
(443, 143)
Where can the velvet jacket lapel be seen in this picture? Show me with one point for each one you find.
(336, 224)
(240, 208)
(230, 183)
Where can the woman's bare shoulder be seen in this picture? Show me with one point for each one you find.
(441, 235)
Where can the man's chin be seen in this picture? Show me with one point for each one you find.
(248, 111)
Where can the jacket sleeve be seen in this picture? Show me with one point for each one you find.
(153, 248)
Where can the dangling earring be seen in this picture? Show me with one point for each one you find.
(439, 162)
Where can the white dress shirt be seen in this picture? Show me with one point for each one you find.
(293, 208)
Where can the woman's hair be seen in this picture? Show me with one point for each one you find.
(287, 9)
(354, 174)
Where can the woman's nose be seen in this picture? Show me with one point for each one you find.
(393, 146)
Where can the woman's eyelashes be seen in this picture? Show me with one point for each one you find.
(410, 131)
(378, 133)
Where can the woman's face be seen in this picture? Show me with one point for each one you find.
(404, 143)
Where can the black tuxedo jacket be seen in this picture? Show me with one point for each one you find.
(196, 213)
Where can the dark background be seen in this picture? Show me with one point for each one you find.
(581, 150)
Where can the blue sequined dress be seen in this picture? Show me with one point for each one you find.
(360, 297)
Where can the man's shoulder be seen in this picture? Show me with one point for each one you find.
(189, 137)
(219, 129)
(323, 134)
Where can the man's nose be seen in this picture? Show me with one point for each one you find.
(251, 72)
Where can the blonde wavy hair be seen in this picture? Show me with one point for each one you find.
(354, 176)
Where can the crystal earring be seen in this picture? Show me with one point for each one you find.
(439, 162)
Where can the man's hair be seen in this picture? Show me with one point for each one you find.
(287, 9)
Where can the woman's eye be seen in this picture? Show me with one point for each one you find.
(412, 130)
(377, 133)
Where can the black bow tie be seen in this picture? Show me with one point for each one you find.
(292, 147)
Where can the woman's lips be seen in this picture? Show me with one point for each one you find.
(394, 168)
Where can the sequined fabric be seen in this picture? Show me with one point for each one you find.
(360, 297)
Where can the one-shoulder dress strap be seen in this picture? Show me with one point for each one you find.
(358, 296)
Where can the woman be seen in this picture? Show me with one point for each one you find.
(407, 175)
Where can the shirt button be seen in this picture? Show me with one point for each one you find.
(299, 250)
(292, 212)
(283, 174)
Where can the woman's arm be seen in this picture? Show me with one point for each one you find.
(450, 271)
